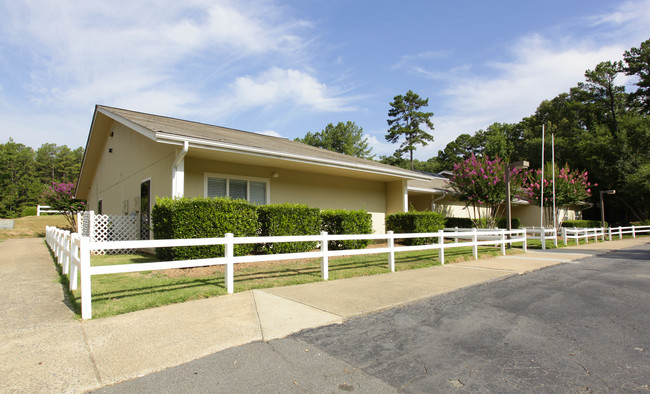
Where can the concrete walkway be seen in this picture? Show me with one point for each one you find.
(45, 349)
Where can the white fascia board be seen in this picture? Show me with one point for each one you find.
(426, 190)
(225, 147)
(132, 125)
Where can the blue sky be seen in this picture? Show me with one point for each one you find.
(288, 67)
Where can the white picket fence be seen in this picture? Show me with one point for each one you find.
(73, 252)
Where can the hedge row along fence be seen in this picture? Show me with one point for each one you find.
(200, 217)
(452, 222)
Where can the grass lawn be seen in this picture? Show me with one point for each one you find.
(33, 226)
(115, 294)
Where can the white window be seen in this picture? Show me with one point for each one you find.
(255, 190)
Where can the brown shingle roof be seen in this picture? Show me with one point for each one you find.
(163, 126)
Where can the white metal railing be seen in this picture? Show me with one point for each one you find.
(542, 234)
(72, 252)
(45, 209)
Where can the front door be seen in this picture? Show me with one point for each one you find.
(145, 208)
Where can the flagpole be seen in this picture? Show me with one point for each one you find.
(541, 197)
(553, 156)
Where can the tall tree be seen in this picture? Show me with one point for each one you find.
(606, 94)
(405, 121)
(346, 138)
(637, 63)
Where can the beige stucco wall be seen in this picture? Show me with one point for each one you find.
(134, 158)
(529, 215)
(292, 186)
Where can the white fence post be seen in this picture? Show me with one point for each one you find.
(609, 229)
(564, 236)
(555, 237)
(620, 232)
(525, 242)
(391, 253)
(74, 255)
(441, 242)
(475, 240)
(633, 232)
(65, 266)
(503, 242)
(230, 266)
(324, 264)
(542, 232)
(84, 257)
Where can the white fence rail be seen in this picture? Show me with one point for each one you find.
(542, 234)
(45, 209)
(73, 251)
(599, 232)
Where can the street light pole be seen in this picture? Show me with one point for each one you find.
(602, 205)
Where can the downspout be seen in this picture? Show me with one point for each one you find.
(433, 201)
(178, 172)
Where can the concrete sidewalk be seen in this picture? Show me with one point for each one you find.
(44, 348)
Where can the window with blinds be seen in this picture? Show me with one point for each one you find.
(251, 190)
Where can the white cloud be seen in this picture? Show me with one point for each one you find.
(272, 133)
(80, 52)
(276, 87)
(539, 69)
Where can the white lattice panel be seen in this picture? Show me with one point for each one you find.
(110, 228)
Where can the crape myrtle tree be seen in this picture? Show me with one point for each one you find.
(571, 188)
(405, 120)
(60, 197)
(481, 183)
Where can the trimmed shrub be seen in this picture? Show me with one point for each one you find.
(467, 223)
(415, 222)
(29, 211)
(582, 223)
(503, 223)
(288, 219)
(177, 218)
(340, 221)
(458, 222)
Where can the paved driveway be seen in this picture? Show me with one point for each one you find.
(582, 326)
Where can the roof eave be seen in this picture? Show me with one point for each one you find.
(174, 139)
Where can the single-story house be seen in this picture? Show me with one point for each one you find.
(133, 157)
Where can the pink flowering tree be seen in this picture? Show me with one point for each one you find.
(60, 197)
(571, 188)
(481, 183)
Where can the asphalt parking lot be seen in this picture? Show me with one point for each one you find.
(582, 326)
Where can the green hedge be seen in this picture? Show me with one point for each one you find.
(415, 222)
(452, 222)
(340, 221)
(503, 223)
(288, 219)
(202, 218)
(29, 211)
(582, 223)
(641, 223)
